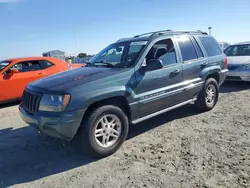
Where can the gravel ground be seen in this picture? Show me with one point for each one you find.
(182, 148)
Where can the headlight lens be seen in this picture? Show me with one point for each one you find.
(54, 103)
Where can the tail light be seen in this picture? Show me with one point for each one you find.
(225, 62)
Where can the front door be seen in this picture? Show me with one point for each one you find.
(159, 89)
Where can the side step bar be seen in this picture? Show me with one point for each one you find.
(163, 111)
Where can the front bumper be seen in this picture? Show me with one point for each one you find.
(62, 125)
(222, 76)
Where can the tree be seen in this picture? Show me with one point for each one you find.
(82, 55)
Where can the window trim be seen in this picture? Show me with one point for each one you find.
(52, 64)
(193, 41)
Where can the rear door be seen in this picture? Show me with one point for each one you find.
(212, 50)
(193, 61)
(13, 85)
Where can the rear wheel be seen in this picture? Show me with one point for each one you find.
(208, 96)
(104, 131)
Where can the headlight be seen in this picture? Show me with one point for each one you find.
(54, 103)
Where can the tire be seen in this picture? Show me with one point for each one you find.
(96, 121)
(203, 102)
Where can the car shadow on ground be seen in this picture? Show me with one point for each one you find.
(25, 156)
(9, 104)
(230, 86)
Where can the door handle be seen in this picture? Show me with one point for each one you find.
(204, 64)
(40, 73)
(174, 73)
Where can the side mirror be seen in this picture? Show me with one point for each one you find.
(119, 49)
(154, 64)
(10, 72)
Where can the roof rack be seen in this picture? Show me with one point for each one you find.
(169, 31)
(122, 39)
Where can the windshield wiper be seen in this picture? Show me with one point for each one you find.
(88, 64)
(104, 63)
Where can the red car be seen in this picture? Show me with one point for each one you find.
(15, 74)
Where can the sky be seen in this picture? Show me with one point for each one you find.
(31, 27)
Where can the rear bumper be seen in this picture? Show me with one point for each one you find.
(223, 74)
(243, 75)
(59, 125)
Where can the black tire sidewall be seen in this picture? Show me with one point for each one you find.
(96, 115)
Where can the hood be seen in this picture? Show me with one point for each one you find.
(238, 60)
(74, 77)
(77, 65)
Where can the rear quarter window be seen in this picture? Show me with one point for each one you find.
(45, 64)
(211, 46)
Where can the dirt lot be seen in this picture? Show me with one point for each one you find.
(182, 148)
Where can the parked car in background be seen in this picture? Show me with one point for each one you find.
(15, 74)
(238, 56)
(223, 45)
(129, 81)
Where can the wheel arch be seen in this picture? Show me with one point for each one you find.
(118, 100)
(211, 72)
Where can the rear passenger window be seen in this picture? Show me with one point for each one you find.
(187, 48)
(211, 46)
(30, 66)
(198, 48)
(45, 64)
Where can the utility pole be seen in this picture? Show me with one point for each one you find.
(75, 42)
(210, 30)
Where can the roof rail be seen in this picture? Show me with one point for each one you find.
(149, 33)
(169, 31)
(120, 40)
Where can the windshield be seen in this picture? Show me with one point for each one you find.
(118, 55)
(3, 64)
(238, 50)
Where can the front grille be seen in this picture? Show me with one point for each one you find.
(31, 101)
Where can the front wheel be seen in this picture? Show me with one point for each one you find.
(208, 97)
(104, 131)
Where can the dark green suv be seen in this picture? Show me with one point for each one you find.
(129, 81)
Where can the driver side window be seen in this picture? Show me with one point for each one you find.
(17, 66)
(163, 50)
(27, 66)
